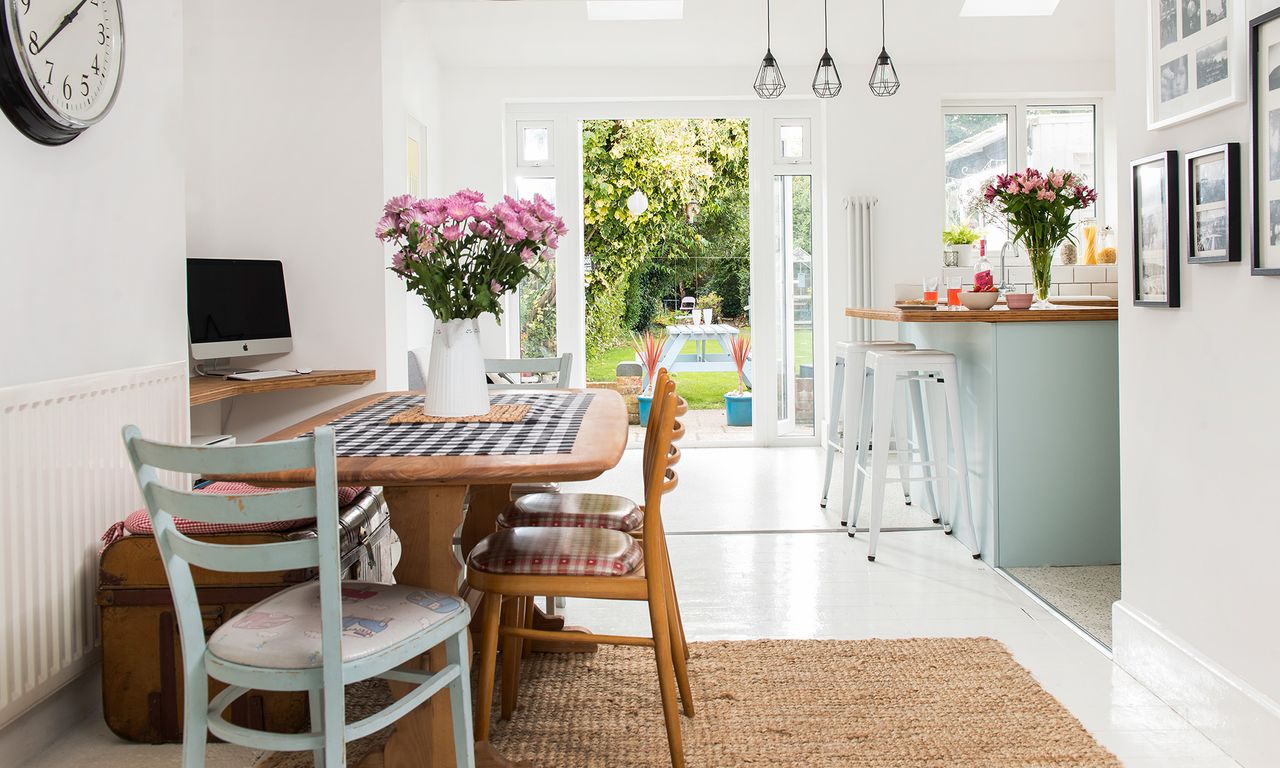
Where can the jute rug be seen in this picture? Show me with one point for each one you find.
(916, 703)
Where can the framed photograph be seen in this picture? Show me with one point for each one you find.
(1213, 208)
(1196, 58)
(1155, 230)
(1264, 96)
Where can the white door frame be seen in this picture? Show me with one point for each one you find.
(566, 118)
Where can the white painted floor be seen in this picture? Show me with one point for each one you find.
(755, 556)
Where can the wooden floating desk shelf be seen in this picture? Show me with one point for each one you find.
(210, 389)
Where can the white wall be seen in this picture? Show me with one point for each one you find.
(286, 161)
(92, 240)
(1198, 450)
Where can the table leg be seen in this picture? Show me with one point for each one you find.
(425, 519)
(487, 502)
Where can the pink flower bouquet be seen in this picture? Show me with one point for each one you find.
(460, 255)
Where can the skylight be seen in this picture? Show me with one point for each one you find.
(635, 10)
(1008, 7)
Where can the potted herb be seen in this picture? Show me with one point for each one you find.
(648, 349)
(737, 404)
(961, 238)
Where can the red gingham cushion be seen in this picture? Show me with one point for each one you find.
(573, 510)
(557, 552)
(140, 522)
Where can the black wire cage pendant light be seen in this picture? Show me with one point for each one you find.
(826, 80)
(769, 81)
(884, 78)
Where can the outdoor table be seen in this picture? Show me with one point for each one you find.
(675, 359)
(426, 495)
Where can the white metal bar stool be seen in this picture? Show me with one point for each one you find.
(934, 372)
(847, 391)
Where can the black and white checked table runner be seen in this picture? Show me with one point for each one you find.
(550, 426)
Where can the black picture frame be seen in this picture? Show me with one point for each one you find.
(1167, 218)
(1261, 147)
(1215, 203)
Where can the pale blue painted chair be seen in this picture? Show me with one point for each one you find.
(316, 637)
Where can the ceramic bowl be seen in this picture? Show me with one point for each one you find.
(979, 300)
(1018, 300)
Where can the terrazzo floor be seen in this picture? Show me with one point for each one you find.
(1082, 593)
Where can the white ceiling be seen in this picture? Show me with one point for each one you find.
(732, 33)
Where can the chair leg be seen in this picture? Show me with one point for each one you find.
(510, 657)
(460, 700)
(315, 701)
(666, 673)
(962, 460)
(333, 701)
(195, 717)
(855, 439)
(488, 664)
(922, 444)
(939, 451)
(882, 420)
(526, 621)
(902, 442)
(682, 646)
(679, 651)
(833, 426)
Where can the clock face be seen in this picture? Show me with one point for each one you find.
(68, 55)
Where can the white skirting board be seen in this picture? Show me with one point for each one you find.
(1230, 712)
(64, 479)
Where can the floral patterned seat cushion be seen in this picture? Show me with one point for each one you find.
(283, 631)
(557, 552)
(573, 510)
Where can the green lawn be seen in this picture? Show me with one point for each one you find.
(704, 391)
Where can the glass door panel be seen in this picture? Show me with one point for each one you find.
(793, 253)
(537, 294)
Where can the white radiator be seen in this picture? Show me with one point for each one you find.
(64, 479)
(861, 260)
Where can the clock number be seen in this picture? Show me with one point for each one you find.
(33, 43)
(66, 87)
(49, 79)
(102, 34)
(95, 68)
(84, 85)
(26, 6)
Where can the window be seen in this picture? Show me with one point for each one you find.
(537, 294)
(534, 144)
(791, 141)
(980, 142)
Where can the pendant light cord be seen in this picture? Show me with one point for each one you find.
(824, 25)
(882, 25)
(768, 24)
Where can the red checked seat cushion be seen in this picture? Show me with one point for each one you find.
(557, 552)
(573, 510)
(283, 631)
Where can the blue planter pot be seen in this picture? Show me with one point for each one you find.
(738, 410)
(645, 401)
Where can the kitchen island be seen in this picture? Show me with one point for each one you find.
(1040, 407)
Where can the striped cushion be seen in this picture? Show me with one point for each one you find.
(557, 552)
(573, 510)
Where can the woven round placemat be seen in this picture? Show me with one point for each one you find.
(498, 414)
(913, 703)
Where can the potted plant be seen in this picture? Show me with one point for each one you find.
(648, 349)
(461, 256)
(961, 238)
(737, 404)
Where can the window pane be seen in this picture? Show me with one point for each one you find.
(792, 137)
(1063, 138)
(793, 221)
(537, 144)
(976, 147)
(538, 292)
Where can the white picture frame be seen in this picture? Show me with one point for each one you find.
(1197, 59)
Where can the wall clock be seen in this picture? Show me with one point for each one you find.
(60, 65)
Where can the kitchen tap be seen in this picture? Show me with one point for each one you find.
(1007, 251)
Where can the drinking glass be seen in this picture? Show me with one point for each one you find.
(953, 291)
(931, 290)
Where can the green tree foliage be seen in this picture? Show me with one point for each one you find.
(694, 173)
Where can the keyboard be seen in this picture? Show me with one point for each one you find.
(260, 375)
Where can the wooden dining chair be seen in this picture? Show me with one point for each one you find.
(517, 564)
(318, 636)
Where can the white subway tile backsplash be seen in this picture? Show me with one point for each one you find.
(1090, 274)
(1106, 289)
(1019, 274)
(1113, 275)
(1061, 274)
(1074, 289)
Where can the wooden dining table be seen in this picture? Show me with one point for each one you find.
(429, 497)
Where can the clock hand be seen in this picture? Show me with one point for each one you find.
(66, 21)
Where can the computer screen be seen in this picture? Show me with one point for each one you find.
(236, 307)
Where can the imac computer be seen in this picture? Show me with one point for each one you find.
(236, 308)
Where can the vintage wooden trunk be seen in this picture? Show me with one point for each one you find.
(141, 654)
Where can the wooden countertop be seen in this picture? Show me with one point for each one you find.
(209, 389)
(1066, 314)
